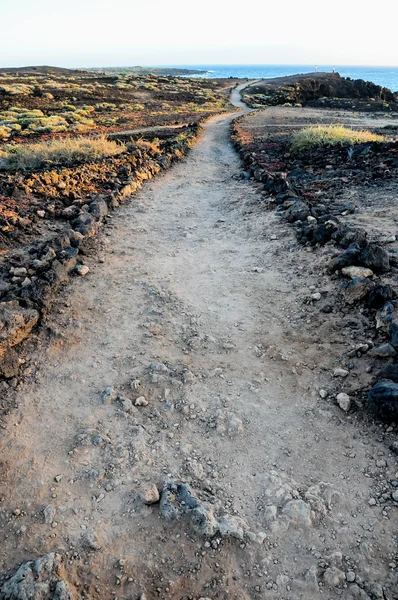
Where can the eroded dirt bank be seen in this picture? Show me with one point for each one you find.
(187, 355)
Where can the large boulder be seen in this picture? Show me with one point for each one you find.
(383, 399)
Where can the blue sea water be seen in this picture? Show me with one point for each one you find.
(384, 76)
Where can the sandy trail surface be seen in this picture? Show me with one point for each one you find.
(194, 306)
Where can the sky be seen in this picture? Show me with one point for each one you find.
(90, 33)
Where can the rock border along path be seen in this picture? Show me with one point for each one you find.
(177, 361)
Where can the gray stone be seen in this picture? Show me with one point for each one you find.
(298, 512)
(108, 395)
(150, 493)
(40, 579)
(90, 540)
(344, 401)
(383, 351)
(82, 270)
(49, 513)
(141, 401)
(232, 526)
(350, 576)
(354, 272)
(340, 373)
(333, 576)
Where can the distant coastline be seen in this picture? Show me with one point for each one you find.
(384, 76)
(174, 71)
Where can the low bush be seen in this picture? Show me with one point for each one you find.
(330, 135)
(66, 151)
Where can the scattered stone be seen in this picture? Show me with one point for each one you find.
(188, 376)
(354, 272)
(383, 351)
(394, 496)
(158, 368)
(82, 270)
(108, 395)
(372, 502)
(344, 401)
(333, 576)
(177, 500)
(16, 323)
(323, 394)
(90, 540)
(350, 576)
(231, 526)
(340, 372)
(316, 296)
(150, 493)
(18, 271)
(298, 512)
(127, 404)
(141, 401)
(49, 513)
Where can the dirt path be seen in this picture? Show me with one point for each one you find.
(196, 305)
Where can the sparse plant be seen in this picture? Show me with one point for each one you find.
(330, 135)
(65, 151)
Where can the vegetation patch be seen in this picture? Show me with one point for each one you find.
(330, 135)
(62, 151)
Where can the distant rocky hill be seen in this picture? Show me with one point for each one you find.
(313, 86)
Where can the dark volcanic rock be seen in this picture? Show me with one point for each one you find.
(389, 372)
(99, 209)
(347, 259)
(383, 398)
(379, 295)
(345, 236)
(298, 211)
(85, 224)
(357, 289)
(375, 258)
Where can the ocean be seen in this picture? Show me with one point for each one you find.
(384, 76)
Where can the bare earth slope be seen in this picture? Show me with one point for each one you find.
(192, 307)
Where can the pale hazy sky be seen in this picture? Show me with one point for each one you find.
(77, 33)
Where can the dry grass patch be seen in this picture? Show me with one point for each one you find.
(66, 151)
(330, 135)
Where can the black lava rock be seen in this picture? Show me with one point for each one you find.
(299, 211)
(389, 372)
(379, 295)
(375, 258)
(383, 399)
(348, 258)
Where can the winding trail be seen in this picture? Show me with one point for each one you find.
(195, 275)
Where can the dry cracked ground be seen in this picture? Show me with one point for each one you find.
(186, 365)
